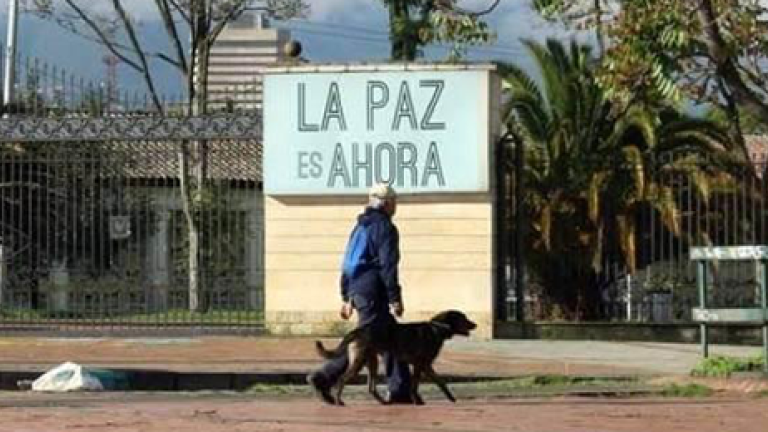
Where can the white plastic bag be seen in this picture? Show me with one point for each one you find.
(65, 378)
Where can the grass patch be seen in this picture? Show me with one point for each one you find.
(723, 367)
(18, 313)
(280, 389)
(530, 385)
(546, 381)
(686, 390)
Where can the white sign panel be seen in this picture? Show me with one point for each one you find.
(338, 133)
(729, 253)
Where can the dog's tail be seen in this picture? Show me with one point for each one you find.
(339, 350)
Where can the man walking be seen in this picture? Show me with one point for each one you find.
(370, 286)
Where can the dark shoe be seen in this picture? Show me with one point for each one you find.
(321, 387)
(398, 399)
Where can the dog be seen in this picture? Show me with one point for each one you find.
(416, 343)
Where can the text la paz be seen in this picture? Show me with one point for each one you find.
(377, 99)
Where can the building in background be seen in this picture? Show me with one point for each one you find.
(242, 51)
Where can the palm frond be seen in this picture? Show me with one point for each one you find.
(625, 225)
(516, 78)
(635, 166)
(593, 196)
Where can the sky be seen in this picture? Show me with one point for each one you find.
(335, 31)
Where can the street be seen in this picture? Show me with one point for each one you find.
(212, 412)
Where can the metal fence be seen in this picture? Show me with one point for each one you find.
(92, 228)
(727, 208)
(95, 231)
(43, 89)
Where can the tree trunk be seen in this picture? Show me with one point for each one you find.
(197, 279)
(599, 31)
(404, 39)
(188, 207)
(196, 181)
(726, 64)
(395, 13)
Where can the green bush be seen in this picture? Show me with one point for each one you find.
(723, 367)
(686, 390)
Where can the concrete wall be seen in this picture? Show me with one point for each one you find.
(446, 247)
(446, 236)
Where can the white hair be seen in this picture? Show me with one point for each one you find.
(380, 194)
(377, 202)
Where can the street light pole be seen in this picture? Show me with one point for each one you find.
(9, 78)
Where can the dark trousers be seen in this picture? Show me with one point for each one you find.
(372, 313)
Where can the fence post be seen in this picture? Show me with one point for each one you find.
(2, 275)
(520, 234)
(762, 276)
(701, 280)
(254, 261)
(501, 250)
(629, 297)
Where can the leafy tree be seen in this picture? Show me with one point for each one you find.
(749, 122)
(709, 50)
(416, 23)
(593, 167)
(579, 13)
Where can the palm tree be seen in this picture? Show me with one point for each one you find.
(593, 167)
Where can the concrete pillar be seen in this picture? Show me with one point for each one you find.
(59, 287)
(254, 259)
(159, 262)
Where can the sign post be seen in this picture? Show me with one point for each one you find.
(701, 281)
(762, 273)
(705, 315)
(2, 275)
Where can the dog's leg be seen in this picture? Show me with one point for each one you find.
(373, 374)
(440, 383)
(358, 360)
(415, 380)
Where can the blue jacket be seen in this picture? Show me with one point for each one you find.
(379, 280)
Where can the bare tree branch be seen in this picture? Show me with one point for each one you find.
(231, 14)
(137, 47)
(181, 11)
(170, 28)
(101, 35)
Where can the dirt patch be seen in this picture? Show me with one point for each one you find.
(724, 385)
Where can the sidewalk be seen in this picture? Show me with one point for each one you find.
(267, 355)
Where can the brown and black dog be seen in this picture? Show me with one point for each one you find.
(415, 343)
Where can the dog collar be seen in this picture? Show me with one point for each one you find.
(441, 325)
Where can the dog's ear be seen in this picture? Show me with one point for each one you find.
(443, 325)
(442, 329)
(457, 321)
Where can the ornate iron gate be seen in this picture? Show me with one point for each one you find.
(91, 225)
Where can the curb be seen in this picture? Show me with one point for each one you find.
(162, 380)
